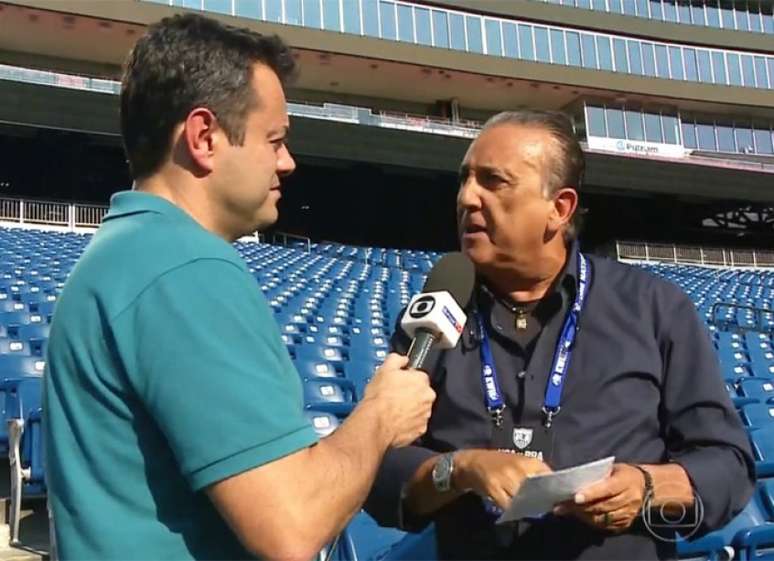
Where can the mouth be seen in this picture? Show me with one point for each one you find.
(473, 229)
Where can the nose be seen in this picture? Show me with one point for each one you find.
(468, 196)
(285, 162)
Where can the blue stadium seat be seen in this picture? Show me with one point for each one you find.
(45, 309)
(763, 447)
(324, 423)
(14, 346)
(34, 331)
(26, 455)
(12, 306)
(766, 489)
(20, 318)
(715, 545)
(413, 547)
(333, 395)
(758, 415)
(316, 369)
(16, 366)
(319, 352)
(760, 389)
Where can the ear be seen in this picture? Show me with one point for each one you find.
(565, 203)
(199, 133)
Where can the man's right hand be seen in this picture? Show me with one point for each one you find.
(494, 474)
(403, 399)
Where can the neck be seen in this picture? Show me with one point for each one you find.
(190, 198)
(522, 285)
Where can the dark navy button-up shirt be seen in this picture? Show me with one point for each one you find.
(644, 385)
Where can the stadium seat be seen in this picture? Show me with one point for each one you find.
(763, 447)
(14, 346)
(766, 490)
(316, 369)
(324, 423)
(34, 331)
(332, 395)
(757, 388)
(16, 366)
(12, 306)
(20, 318)
(319, 352)
(758, 415)
(725, 543)
(26, 458)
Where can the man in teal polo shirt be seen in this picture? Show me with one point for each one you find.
(173, 415)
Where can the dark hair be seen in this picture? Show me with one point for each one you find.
(569, 164)
(189, 61)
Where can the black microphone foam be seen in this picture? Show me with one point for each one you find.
(455, 274)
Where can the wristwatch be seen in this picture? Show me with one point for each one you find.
(442, 473)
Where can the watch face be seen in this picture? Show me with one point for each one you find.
(442, 472)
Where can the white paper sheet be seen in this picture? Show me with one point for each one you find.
(540, 493)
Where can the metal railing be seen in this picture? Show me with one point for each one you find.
(89, 215)
(694, 255)
(57, 79)
(67, 215)
(281, 238)
(353, 114)
(72, 216)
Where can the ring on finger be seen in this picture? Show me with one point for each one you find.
(606, 519)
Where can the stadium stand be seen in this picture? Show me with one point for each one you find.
(336, 306)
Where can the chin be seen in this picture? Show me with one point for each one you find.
(477, 254)
(266, 219)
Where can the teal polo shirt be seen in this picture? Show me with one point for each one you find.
(165, 374)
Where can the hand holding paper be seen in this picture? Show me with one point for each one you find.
(538, 494)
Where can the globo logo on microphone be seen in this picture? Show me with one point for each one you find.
(438, 313)
(422, 307)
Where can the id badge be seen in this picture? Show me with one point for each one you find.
(533, 441)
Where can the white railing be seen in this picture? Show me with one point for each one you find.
(80, 216)
(89, 215)
(67, 215)
(327, 111)
(694, 255)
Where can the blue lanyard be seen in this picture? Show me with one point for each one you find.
(493, 397)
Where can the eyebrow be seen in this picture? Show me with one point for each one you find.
(465, 170)
(284, 131)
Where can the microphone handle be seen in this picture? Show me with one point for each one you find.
(420, 347)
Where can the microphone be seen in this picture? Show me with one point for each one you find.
(435, 316)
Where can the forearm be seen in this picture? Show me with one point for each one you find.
(341, 470)
(289, 508)
(421, 496)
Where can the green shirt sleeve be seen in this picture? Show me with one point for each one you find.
(207, 361)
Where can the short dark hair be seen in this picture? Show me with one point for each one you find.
(189, 61)
(570, 164)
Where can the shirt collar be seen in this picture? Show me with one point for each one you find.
(126, 203)
(569, 275)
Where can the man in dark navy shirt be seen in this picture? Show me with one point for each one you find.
(582, 358)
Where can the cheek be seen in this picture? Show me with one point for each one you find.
(519, 219)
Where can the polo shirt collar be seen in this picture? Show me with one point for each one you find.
(126, 203)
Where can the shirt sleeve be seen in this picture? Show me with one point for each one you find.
(385, 502)
(208, 363)
(704, 434)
